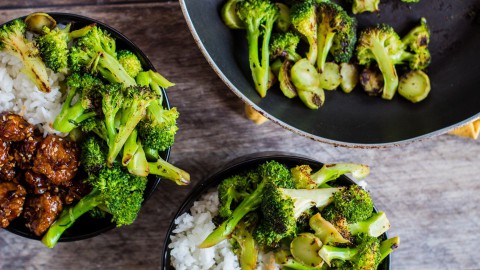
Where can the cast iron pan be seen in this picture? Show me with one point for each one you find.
(355, 119)
(239, 165)
(86, 226)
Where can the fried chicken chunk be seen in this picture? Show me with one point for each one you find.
(13, 128)
(12, 198)
(24, 152)
(41, 211)
(7, 162)
(58, 159)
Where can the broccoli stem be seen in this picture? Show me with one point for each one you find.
(374, 226)
(387, 67)
(222, 232)
(168, 171)
(387, 246)
(112, 70)
(70, 116)
(138, 165)
(325, 43)
(130, 148)
(69, 215)
(330, 172)
(150, 153)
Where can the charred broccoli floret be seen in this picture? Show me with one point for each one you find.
(381, 44)
(285, 45)
(353, 203)
(360, 6)
(336, 34)
(304, 21)
(129, 62)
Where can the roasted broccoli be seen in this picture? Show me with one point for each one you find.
(53, 45)
(353, 203)
(85, 89)
(285, 45)
(243, 243)
(270, 172)
(336, 34)
(93, 154)
(305, 179)
(129, 62)
(13, 41)
(304, 21)
(233, 190)
(96, 52)
(259, 17)
(381, 44)
(281, 208)
(360, 6)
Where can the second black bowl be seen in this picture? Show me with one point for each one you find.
(239, 165)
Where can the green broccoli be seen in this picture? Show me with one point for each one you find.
(381, 44)
(270, 172)
(353, 203)
(304, 21)
(231, 191)
(336, 34)
(53, 45)
(96, 52)
(131, 106)
(365, 255)
(285, 45)
(13, 41)
(129, 62)
(329, 172)
(243, 243)
(157, 130)
(419, 37)
(86, 89)
(93, 154)
(155, 81)
(259, 17)
(411, 1)
(281, 209)
(416, 61)
(360, 6)
(114, 190)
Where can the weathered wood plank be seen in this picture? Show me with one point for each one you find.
(4, 4)
(429, 189)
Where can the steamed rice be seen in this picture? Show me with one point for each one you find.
(20, 95)
(191, 229)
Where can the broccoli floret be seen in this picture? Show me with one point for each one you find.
(129, 62)
(114, 190)
(13, 41)
(329, 172)
(53, 45)
(374, 226)
(419, 37)
(282, 208)
(243, 242)
(93, 154)
(285, 45)
(96, 52)
(381, 44)
(135, 159)
(259, 17)
(95, 125)
(336, 34)
(231, 191)
(86, 89)
(360, 6)
(155, 81)
(131, 107)
(304, 21)
(353, 203)
(157, 130)
(270, 172)
(365, 255)
(416, 61)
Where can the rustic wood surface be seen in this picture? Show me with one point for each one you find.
(429, 189)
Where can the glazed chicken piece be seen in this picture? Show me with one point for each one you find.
(12, 198)
(13, 128)
(58, 159)
(7, 162)
(76, 191)
(41, 211)
(24, 152)
(38, 183)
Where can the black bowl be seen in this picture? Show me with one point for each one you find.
(239, 165)
(86, 226)
(357, 119)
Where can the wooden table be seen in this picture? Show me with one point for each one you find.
(430, 189)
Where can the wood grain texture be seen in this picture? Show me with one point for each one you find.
(4, 4)
(429, 189)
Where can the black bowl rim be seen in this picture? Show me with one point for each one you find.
(230, 167)
(237, 92)
(148, 193)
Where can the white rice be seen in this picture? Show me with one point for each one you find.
(191, 229)
(20, 95)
